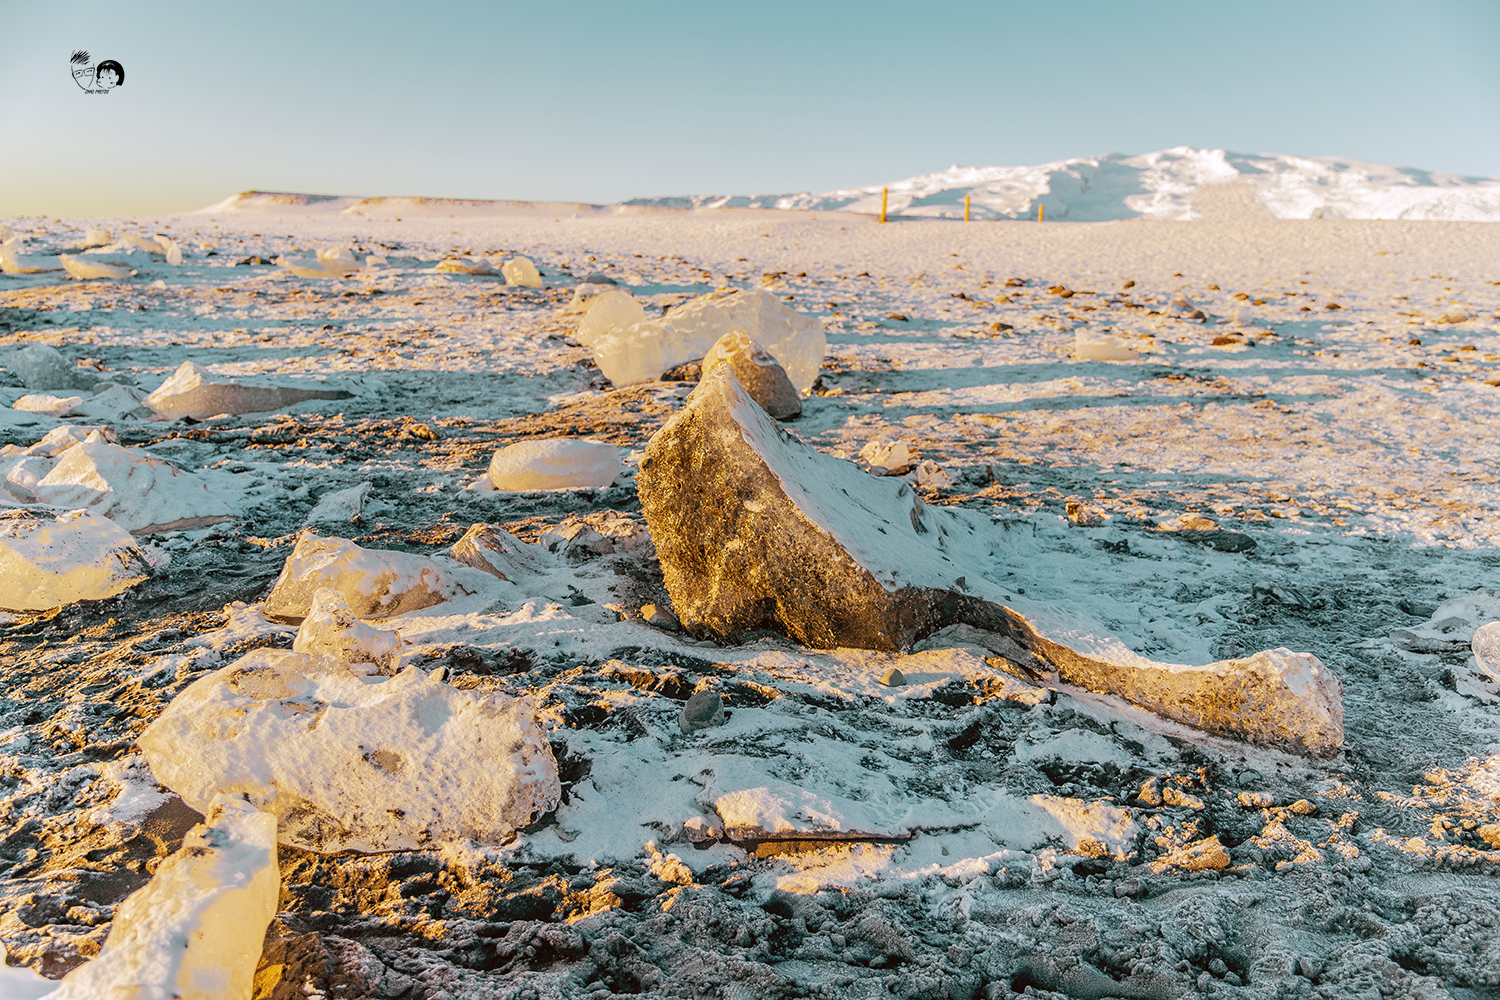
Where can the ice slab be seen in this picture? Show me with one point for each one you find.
(356, 762)
(139, 492)
(84, 270)
(195, 931)
(194, 391)
(49, 559)
(555, 464)
(42, 366)
(641, 352)
(1090, 346)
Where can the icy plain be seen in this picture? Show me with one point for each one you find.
(959, 834)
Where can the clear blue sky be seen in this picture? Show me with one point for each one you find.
(605, 101)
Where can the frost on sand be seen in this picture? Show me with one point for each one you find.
(641, 352)
(755, 529)
(351, 760)
(195, 931)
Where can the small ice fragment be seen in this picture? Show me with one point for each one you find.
(459, 266)
(1486, 647)
(331, 629)
(611, 310)
(887, 456)
(929, 473)
(12, 263)
(521, 271)
(170, 249)
(98, 238)
(52, 406)
(1089, 346)
(340, 506)
(555, 463)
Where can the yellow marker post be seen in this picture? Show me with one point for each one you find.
(1039, 207)
(966, 208)
(883, 193)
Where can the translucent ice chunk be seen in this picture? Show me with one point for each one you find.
(331, 629)
(643, 351)
(1089, 346)
(1486, 646)
(98, 238)
(607, 312)
(170, 249)
(83, 270)
(48, 559)
(521, 271)
(555, 464)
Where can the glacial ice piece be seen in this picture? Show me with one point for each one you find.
(455, 266)
(194, 391)
(97, 238)
(170, 249)
(1089, 345)
(50, 559)
(85, 270)
(611, 310)
(555, 464)
(760, 374)
(117, 402)
(493, 550)
(22, 473)
(337, 262)
(887, 456)
(13, 263)
(43, 367)
(521, 271)
(44, 402)
(340, 505)
(391, 764)
(331, 629)
(375, 583)
(641, 352)
(195, 931)
(755, 529)
(60, 439)
(139, 242)
(139, 492)
(584, 294)
(1486, 647)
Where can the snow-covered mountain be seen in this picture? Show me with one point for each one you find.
(1158, 185)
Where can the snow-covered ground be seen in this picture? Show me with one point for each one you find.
(1325, 388)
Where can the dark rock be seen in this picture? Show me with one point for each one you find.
(758, 372)
(703, 710)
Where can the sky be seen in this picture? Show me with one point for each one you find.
(600, 102)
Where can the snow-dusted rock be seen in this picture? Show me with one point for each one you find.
(84, 270)
(49, 559)
(610, 310)
(492, 549)
(340, 505)
(641, 352)
(755, 529)
(555, 464)
(195, 931)
(41, 366)
(458, 266)
(760, 374)
(355, 761)
(46, 402)
(331, 629)
(375, 583)
(521, 271)
(194, 391)
(139, 492)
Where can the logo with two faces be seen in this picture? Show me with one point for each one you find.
(96, 79)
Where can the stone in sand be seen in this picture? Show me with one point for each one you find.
(704, 710)
(374, 583)
(492, 549)
(757, 530)
(391, 764)
(41, 366)
(50, 559)
(521, 271)
(141, 493)
(331, 629)
(555, 464)
(761, 375)
(641, 352)
(195, 931)
(194, 391)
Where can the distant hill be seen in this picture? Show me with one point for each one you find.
(1158, 185)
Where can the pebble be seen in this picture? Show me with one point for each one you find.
(893, 678)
